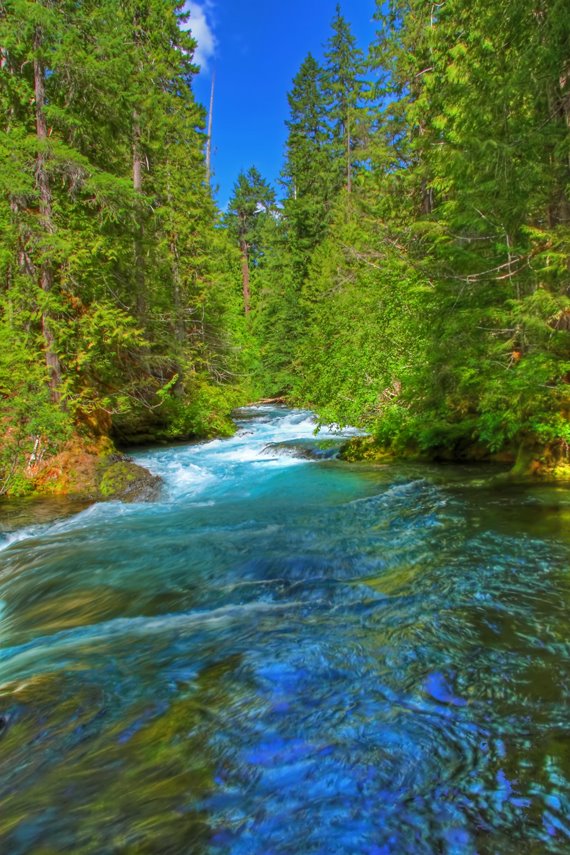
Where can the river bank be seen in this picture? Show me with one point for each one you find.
(525, 464)
(97, 471)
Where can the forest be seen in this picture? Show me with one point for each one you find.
(410, 275)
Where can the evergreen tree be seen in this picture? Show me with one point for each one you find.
(483, 137)
(309, 164)
(344, 89)
(415, 279)
(253, 200)
(324, 132)
(112, 272)
(450, 267)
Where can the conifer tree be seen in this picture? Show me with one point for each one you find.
(343, 88)
(449, 270)
(114, 282)
(251, 203)
(309, 163)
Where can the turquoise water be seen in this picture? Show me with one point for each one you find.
(288, 656)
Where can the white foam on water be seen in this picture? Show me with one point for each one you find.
(195, 470)
(9, 538)
(241, 454)
(186, 479)
(191, 470)
(280, 461)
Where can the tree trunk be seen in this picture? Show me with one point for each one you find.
(46, 271)
(245, 278)
(140, 285)
(427, 198)
(179, 326)
(348, 158)
(426, 190)
(209, 137)
(564, 96)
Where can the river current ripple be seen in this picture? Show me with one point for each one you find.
(287, 655)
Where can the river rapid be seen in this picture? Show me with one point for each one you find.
(288, 655)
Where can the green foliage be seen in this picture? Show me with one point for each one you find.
(428, 299)
(116, 479)
(324, 136)
(309, 173)
(343, 91)
(415, 278)
(277, 320)
(366, 307)
(202, 412)
(31, 425)
(114, 275)
(252, 201)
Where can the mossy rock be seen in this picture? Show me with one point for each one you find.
(123, 479)
(92, 471)
(546, 464)
(365, 448)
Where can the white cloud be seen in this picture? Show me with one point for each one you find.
(200, 25)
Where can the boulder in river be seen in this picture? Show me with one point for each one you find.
(308, 449)
(124, 479)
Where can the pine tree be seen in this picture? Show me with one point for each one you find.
(112, 272)
(448, 272)
(251, 203)
(344, 89)
(309, 164)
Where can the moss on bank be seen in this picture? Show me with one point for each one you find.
(365, 448)
(123, 479)
(545, 464)
(93, 471)
(550, 463)
(83, 461)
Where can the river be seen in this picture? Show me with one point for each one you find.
(287, 655)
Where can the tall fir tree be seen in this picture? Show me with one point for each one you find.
(308, 170)
(251, 203)
(343, 87)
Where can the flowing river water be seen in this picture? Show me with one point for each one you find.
(286, 655)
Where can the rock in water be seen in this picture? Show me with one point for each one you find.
(125, 480)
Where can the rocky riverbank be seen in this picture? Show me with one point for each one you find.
(93, 472)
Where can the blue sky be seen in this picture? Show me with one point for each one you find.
(256, 48)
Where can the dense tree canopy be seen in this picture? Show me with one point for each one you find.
(118, 301)
(414, 278)
(434, 306)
